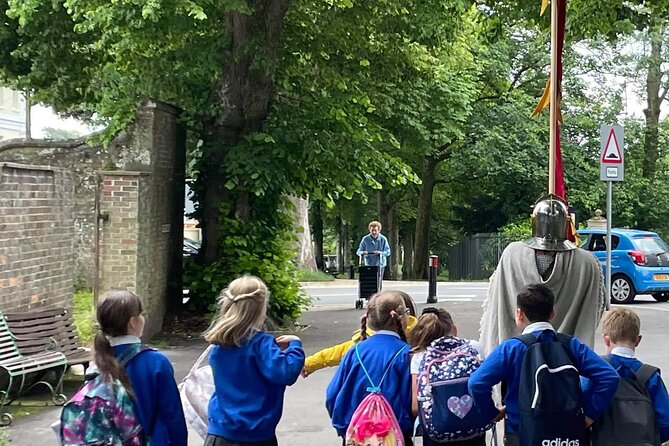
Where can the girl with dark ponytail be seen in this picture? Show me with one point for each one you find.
(386, 354)
(148, 376)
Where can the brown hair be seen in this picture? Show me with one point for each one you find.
(385, 311)
(114, 311)
(374, 223)
(621, 324)
(242, 314)
(433, 324)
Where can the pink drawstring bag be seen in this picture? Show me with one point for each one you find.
(374, 421)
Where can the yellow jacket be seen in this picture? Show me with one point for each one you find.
(331, 356)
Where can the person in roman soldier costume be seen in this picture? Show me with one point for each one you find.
(573, 274)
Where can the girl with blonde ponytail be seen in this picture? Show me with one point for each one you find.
(148, 377)
(251, 368)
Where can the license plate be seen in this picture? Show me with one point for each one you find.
(661, 277)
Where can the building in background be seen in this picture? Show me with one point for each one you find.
(12, 114)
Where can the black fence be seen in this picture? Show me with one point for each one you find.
(475, 257)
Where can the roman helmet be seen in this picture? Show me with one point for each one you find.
(550, 225)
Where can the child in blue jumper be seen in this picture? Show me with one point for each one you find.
(387, 315)
(620, 329)
(148, 376)
(535, 310)
(251, 369)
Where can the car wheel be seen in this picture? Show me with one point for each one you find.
(622, 290)
(661, 297)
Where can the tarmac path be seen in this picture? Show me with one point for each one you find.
(305, 421)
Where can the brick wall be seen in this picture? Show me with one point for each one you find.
(143, 236)
(36, 237)
(119, 204)
(142, 190)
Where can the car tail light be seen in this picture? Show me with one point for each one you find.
(637, 257)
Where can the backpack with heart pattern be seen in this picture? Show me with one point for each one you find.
(446, 409)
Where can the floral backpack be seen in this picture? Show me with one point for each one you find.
(374, 420)
(101, 413)
(446, 409)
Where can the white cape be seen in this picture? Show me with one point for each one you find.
(576, 281)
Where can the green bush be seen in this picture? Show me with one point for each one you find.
(263, 247)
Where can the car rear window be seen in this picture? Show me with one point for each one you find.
(650, 245)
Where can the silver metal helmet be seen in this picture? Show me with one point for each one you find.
(550, 223)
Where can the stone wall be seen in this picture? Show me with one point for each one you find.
(141, 241)
(36, 237)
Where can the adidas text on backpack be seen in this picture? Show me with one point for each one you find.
(550, 400)
(630, 420)
(446, 409)
(101, 413)
(374, 420)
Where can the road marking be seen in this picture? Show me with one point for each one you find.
(640, 307)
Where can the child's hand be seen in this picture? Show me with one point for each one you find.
(500, 416)
(304, 373)
(284, 340)
(588, 421)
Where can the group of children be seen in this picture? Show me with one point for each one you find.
(251, 368)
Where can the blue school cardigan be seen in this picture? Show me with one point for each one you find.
(250, 383)
(349, 385)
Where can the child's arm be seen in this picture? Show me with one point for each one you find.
(492, 371)
(660, 398)
(414, 395)
(279, 366)
(328, 357)
(335, 386)
(603, 378)
(169, 405)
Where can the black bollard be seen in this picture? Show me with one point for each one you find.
(351, 272)
(432, 280)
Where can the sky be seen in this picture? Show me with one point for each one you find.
(45, 117)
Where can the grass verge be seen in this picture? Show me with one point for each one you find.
(84, 315)
(304, 275)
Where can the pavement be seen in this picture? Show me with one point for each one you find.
(305, 421)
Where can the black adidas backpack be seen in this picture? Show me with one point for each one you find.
(550, 399)
(630, 420)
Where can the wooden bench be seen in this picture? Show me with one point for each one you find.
(36, 326)
(28, 369)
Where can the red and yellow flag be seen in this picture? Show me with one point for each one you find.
(553, 93)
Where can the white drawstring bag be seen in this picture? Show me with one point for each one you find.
(196, 390)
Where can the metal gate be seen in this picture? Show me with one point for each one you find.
(475, 257)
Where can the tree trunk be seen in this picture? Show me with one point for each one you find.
(317, 226)
(407, 244)
(242, 96)
(305, 253)
(341, 244)
(423, 219)
(394, 241)
(654, 100)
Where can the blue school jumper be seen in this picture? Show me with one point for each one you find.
(505, 362)
(157, 404)
(622, 356)
(349, 385)
(250, 383)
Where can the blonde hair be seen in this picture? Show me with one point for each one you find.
(374, 223)
(243, 311)
(385, 311)
(621, 324)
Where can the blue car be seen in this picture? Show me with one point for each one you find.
(639, 262)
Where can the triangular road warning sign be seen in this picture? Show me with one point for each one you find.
(611, 154)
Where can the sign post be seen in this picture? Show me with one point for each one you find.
(611, 168)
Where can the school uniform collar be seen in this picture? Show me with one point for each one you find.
(538, 326)
(389, 333)
(625, 352)
(122, 340)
